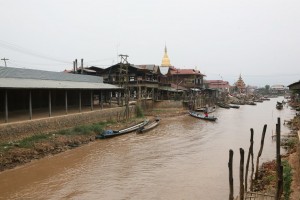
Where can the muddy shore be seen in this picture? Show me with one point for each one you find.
(267, 181)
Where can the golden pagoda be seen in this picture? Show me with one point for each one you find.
(240, 84)
(165, 61)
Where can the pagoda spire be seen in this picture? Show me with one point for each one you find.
(165, 61)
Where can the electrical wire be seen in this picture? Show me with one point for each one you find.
(19, 49)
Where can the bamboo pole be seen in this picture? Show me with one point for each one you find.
(260, 150)
(230, 175)
(279, 188)
(250, 153)
(252, 169)
(242, 188)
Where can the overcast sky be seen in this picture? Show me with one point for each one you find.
(259, 39)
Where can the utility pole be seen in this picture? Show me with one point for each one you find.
(5, 59)
(123, 82)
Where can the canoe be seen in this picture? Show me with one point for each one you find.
(113, 133)
(201, 116)
(149, 126)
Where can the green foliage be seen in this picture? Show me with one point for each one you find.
(267, 87)
(29, 141)
(139, 111)
(83, 130)
(287, 179)
(270, 178)
(5, 146)
(290, 143)
(78, 130)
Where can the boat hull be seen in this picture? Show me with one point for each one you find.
(114, 133)
(200, 116)
(149, 126)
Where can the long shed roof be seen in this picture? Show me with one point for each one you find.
(29, 78)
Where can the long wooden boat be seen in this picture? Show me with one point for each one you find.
(113, 133)
(279, 105)
(201, 116)
(149, 126)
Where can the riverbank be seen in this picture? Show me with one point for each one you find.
(267, 181)
(17, 153)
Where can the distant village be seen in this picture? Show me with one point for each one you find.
(28, 93)
(168, 82)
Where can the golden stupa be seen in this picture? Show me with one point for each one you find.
(165, 61)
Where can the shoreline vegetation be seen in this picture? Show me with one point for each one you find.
(17, 153)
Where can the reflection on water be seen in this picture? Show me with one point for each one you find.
(183, 158)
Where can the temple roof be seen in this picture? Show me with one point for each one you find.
(240, 83)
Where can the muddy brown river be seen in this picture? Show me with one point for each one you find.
(183, 158)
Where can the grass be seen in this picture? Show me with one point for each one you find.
(5, 146)
(78, 130)
(84, 129)
(29, 142)
(287, 179)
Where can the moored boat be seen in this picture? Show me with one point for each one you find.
(279, 105)
(149, 126)
(201, 116)
(223, 105)
(113, 133)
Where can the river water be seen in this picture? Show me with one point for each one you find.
(183, 158)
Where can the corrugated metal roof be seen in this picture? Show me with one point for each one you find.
(46, 84)
(29, 78)
(9, 72)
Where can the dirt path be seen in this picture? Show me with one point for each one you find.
(294, 160)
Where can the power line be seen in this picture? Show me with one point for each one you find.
(17, 48)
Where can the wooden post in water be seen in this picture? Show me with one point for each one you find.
(261, 149)
(242, 189)
(230, 175)
(252, 169)
(279, 168)
(250, 153)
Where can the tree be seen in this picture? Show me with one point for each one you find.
(267, 87)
